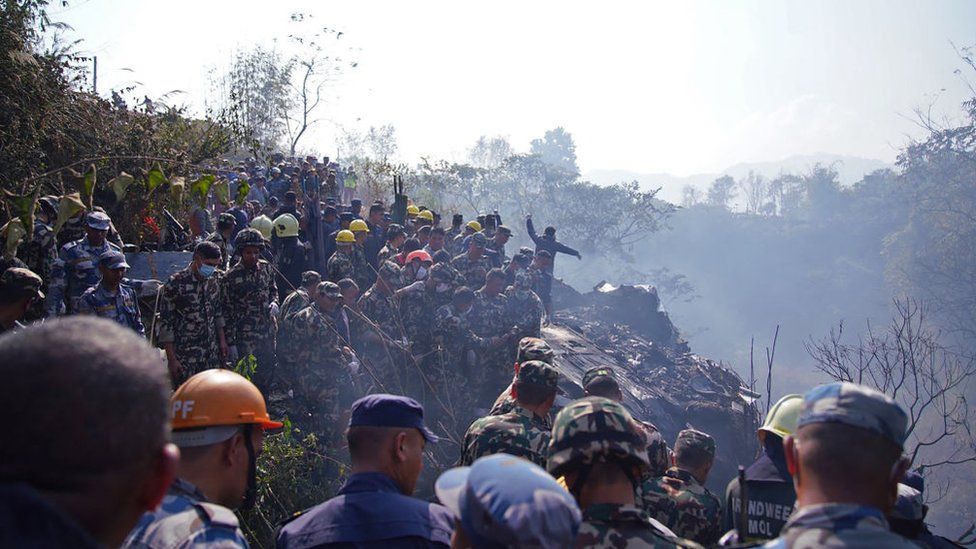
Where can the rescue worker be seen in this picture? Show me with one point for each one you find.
(345, 218)
(529, 348)
(679, 499)
(341, 263)
(76, 267)
(86, 456)
(374, 507)
(496, 246)
(548, 242)
(345, 314)
(456, 343)
(769, 486)
(219, 420)
(191, 318)
(226, 222)
(526, 309)
(541, 271)
(410, 223)
(435, 242)
(417, 304)
(110, 298)
(250, 301)
(362, 270)
(522, 432)
(41, 251)
(302, 297)
(599, 453)
(291, 255)
(19, 289)
(395, 237)
(491, 316)
(264, 225)
(845, 458)
(451, 234)
(383, 337)
(460, 242)
(528, 509)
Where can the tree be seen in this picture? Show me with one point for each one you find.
(490, 152)
(690, 196)
(557, 149)
(721, 192)
(755, 187)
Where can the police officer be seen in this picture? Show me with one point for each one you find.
(19, 289)
(846, 460)
(679, 499)
(218, 420)
(599, 453)
(110, 298)
(769, 486)
(76, 267)
(523, 431)
(528, 509)
(374, 507)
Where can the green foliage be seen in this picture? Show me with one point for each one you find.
(155, 178)
(243, 188)
(120, 184)
(246, 366)
(201, 188)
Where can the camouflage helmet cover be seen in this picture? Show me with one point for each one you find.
(591, 430)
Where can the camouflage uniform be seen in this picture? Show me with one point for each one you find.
(76, 270)
(296, 301)
(186, 519)
(473, 271)
(190, 312)
(363, 273)
(248, 294)
(838, 525)
(453, 337)
(519, 432)
(529, 348)
(383, 351)
(525, 307)
(313, 367)
(291, 260)
(39, 254)
(122, 306)
(221, 243)
(447, 280)
(340, 266)
(386, 254)
(682, 504)
(417, 312)
(490, 317)
(657, 450)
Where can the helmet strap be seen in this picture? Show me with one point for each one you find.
(250, 495)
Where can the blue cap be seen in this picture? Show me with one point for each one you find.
(98, 221)
(346, 216)
(858, 406)
(381, 410)
(113, 260)
(505, 501)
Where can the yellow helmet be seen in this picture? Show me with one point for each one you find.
(264, 225)
(358, 225)
(474, 226)
(345, 236)
(782, 417)
(413, 210)
(426, 214)
(286, 225)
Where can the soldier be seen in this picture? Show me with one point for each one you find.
(602, 381)
(525, 307)
(473, 265)
(110, 298)
(348, 320)
(445, 280)
(451, 234)
(19, 289)
(41, 251)
(362, 271)
(75, 269)
(302, 297)
(522, 432)
(679, 499)
(374, 507)
(435, 242)
(341, 263)
(769, 485)
(226, 223)
(496, 246)
(417, 303)
(218, 421)
(250, 300)
(541, 271)
(191, 320)
(461, 241)
(291, 255)
(528, 509)
(395, 237)
(315, 364)
(383, 338)
(456, 342)
(548, 242)
(490, 317)
(846, 460)
(599, 453)
(529, 348)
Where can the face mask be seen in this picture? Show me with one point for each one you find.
(442, 287)
(421, 273)
(206, 271)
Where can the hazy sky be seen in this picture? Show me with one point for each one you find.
(679, 87)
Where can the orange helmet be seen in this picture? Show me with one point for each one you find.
(218, 398)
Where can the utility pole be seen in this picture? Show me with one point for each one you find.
(95, 74)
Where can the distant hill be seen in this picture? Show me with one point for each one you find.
(850, 170)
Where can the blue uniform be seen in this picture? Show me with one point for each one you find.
(122, 306)
(369, 511)
(836, 525)
(185, 519)
(26, 520)
(75, 270)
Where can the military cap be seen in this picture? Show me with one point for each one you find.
(505, 501)
(695, 439)
(441, 272)
(909, 505)
(112, 260)
(595, 429)
(19, 283)
(329, 210)
(346, 216)
(533, 348)
(227, 217)
(98, 221)
(536, 372)
(311, 277)
(330, 289)
(388, 271)
(248, 237)
(523, 279)
(381, 410)
(504, 230)
(479, 240)
(599, 373)
(857, 406)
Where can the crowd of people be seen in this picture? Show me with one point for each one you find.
(380, 337)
